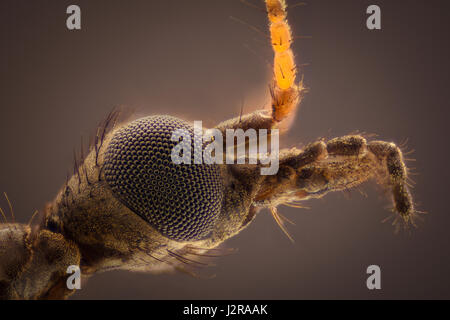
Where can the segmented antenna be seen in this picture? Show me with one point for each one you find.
(285, 92)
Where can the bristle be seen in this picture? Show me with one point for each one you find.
(252, 27)
(86, 175)
(298, 4)
(76, 169)
(280, 223)
(10, 207)
(185, 260)
(226, 251)
(253, 5)
(32, 217)
(81, 150)
(209, 253)
(3, 215)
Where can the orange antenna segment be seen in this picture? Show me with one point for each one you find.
(286, 93)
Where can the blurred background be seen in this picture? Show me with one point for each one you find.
(190, 59)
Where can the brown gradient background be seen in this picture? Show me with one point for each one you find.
(188, 58)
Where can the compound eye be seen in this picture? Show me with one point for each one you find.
(181, 201)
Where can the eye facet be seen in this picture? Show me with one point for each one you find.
(181, 201)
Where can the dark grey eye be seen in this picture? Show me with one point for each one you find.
(181, 201)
